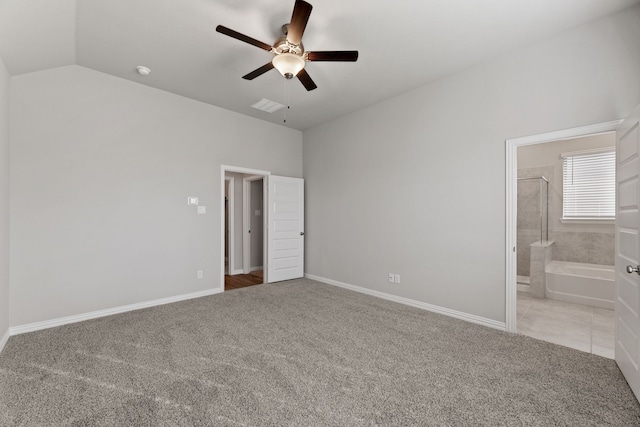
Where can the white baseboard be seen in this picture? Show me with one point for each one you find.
(523, 287)
(46, 324)
(4, 339)
(256, 268)
(494, 324)
(234, 272)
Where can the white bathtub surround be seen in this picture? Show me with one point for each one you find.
(587, 284)
(540, 257)
(577, 326)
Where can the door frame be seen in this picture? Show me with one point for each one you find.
(237, 169)
(246, 220)
(231, 223)
(512, 203)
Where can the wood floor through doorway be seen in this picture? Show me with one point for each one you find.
(238, 281)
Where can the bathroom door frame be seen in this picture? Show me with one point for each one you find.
(512, 203)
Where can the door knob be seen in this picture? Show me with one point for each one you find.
(302, 233)
(632, 269)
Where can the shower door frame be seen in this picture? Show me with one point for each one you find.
(512, 203)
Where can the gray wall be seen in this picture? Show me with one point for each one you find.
(100, 173)
(4, 199)
(592, 243)
(415, 185)
(257, 226)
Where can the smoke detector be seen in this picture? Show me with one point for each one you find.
(143, 71)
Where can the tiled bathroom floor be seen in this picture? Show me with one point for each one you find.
(577, 326)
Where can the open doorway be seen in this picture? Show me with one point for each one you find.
(244, 229)
(547, 249)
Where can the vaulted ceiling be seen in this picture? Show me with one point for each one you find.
(403, 44)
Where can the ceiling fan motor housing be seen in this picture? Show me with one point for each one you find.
(281, 45)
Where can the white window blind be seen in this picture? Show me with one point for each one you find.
(589, 185)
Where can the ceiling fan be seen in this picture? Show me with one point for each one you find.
(289, 54)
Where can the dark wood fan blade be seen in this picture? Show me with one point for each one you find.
(258, 72)
(306, 81)
(301, 13)
(236, 35)
(334, 55)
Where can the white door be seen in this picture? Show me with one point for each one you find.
(286, 228)
(628, 250)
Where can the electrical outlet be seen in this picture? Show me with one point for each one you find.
(200, 274)
(396, 278)
(391, 277)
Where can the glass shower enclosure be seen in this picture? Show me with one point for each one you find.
(533, 219)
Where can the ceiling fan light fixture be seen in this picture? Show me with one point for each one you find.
(289, 64)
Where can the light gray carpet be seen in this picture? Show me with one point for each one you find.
(301, 353)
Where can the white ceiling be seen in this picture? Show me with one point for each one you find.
(403, 44)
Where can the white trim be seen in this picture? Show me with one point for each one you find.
(511, 202)
(223, 170)
(567, 133)
(231, 209)
(4, 339)
(265, 227)
(511, 291)
(252, 269)
(494, 324)
(240, 271)
(31, 327)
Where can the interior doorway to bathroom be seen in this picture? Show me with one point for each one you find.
(546, 247)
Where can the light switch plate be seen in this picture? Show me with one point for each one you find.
(192, 200)
(202, 210)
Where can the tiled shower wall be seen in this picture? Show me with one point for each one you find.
(593, 247)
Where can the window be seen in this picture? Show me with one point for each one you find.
(589, 185)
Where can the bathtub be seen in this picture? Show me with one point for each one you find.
(588, 284)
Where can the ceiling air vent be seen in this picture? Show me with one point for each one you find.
(267, 105)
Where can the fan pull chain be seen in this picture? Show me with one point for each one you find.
(286, 97)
